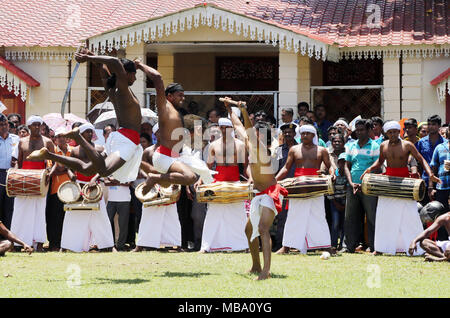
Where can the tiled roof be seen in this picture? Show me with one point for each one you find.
(347, 23)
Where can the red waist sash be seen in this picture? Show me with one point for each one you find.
(397, 172)
(37, 165)
(131, 134)
(227, 173)
(83, 178)
(167, 152)
(274, 191)
(305, 172)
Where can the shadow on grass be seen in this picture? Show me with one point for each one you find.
(253, 276)
(121, 281)
(179, 274)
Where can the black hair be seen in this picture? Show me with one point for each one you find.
(129, 67)
(261, 112)
(11, 124)
(147, 137)
(366, 122)
(340, 136)
(377, 119)
(172, 88)
(14, 114)
(303, 104)
(76, 124)
(434, 119)
(411, 121)
(306, 120)
(3, 118)
(113, 128)
(23, 127)
(260, 124)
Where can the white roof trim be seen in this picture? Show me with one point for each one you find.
(13, 83)
(441, 89)
(157, 28)
(38, 53)
(411, 51)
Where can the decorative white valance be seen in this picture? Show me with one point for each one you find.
(442, 89)
(157, 28)
(412, 51)
(38, 55)
(13, 83)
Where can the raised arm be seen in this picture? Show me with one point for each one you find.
(238, 127)
(158, 82)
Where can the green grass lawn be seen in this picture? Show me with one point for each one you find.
(163, 274)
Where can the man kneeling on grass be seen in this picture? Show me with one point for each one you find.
(8, 244)
(438, 251)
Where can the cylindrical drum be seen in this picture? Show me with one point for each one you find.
(388, 186)
(158, 195)
(307, 187)
(26, 182)
(224, 192)
(69, 192)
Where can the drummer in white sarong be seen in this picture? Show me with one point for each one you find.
(397, 221)
(224, 227)
(306, 227)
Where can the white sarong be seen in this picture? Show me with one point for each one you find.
(397, 224)
(306, 227)
(128, 151)
(28, 220)
(443, 245)
(162, 164)
(159, 225)
(224, 227)
(84, 228)
(258, 202)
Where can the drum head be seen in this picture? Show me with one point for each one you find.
(69, 192)
(92, 195)
(153, 193)
(169, 191)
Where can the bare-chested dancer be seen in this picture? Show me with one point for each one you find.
(28, 220)
(394, 231)
(165, 160)
(224, 224)
(123, 146)
(268, 202)
(434, 251)
(306, 226)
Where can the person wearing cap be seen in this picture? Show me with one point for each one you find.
(55, 208)
(306, 227)
(158, 224)
(28, 220)
(123, 147)
(438, 251)
(8, 146)
(79, 226)
(224, 228)
(394, 231)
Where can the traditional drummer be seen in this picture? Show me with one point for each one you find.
(224, 227)
(28, 221)
(306, 227)
(397, 221)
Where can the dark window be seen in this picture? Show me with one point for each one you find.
(353, 72)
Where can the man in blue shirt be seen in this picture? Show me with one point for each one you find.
(360, 155)
(7, 144)
(322, 122)
(426, 147)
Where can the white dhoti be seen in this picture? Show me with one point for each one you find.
(83, 228)
(28, 220)
(443, 245)
(224, 227)
(258, 202)
(128, 151)
(159, 225)
(162, 163)
(306, 227)
(397, 224)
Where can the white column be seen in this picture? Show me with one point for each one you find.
(412, 88)
(288, 81)
(391, 83)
